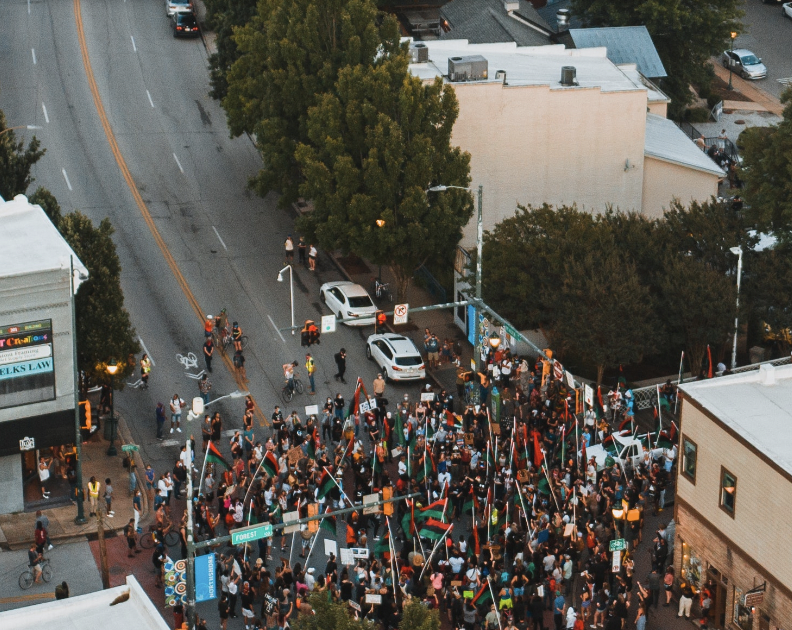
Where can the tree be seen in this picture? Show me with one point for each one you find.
(686, 34)
(604, 314)
(417, 617)
(698, 305)
(768, 290)
(104, 329)
(375, 145)
(767, 172)
(327, 616)
(48, 203)
(223, 17)
(16, 162)
(290, 54)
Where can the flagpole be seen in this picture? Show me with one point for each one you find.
(340, 489)
(659, 414)
(250, 513)
(252, 479)
(315, 538)
(392, 558)
(549, 483)
(679, 381)
(497, 612)
(203, 470)
(428, 562)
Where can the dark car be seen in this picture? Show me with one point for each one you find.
(184, 25)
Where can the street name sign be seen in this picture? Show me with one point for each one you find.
(618, 545)
(249, 534)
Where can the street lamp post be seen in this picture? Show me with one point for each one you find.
(732, 36)
(112, 368)
(618, 515)
(737, 251)
(79, 495)
(29, 127)
(479, 247)
(380, 224)
(291, 291)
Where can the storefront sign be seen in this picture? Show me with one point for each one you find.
(27, 368)
(27, 444)
(754, 599)
(175, 582)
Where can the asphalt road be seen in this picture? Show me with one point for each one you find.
(768, 35)
(223, 245)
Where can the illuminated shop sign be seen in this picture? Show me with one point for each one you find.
(27, 367)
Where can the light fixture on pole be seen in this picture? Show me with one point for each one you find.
(733, 36)
(737, 251)
(28, 127)
(494, 340)
(380, 224)
(291, 290)
(112, 368)
(479, 246)
(618, 515)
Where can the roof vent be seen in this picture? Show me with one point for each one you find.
(511, 5)
(468, 68)
(419, 53)
(500, 75)
(767, 374)
(562, 17)
(568, 75)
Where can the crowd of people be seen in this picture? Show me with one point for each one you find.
(498, 518)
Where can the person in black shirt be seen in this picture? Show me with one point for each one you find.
(340, 359)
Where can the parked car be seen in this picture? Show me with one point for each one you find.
(397, 357)
(349, 302)
(786, 10)
(185, 25)
(744, 63)
(177, 6)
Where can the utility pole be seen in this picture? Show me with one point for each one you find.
(479, 249)
(102, 549)
(80, 518)
(190, 577)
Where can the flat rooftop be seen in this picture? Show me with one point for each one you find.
(531, 65)
(755, 405)
(31, 243)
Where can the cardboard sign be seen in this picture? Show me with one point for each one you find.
(294, 455)
(456, 583)
(496, 429)
(468, 594)
(288, 517)
(354, 605)
(346, 556)
(270, 603)
(523, 476)
(312, 410)
(469, 439)
(367, 501)
(359, 552)
(364, 407)
(427, 397)
(330, 547)
(373, 598)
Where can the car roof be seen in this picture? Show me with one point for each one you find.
(401, 344)
(350, 289)
(743, 51)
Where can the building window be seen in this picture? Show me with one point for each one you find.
(728, 491)
(743, 615)
(691, 567)
(689, 453)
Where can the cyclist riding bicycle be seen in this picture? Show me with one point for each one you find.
(236, 336)
(288, 374)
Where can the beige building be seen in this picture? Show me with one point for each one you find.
(598, 140)
(734, 492)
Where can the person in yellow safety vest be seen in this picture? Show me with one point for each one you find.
(494, 516)
(93, 495)
(310, 366)
(145, 368)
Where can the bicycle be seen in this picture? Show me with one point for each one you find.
(382, 290)
(221, 335)
(149, 540)
(288, 393)
(27, 578)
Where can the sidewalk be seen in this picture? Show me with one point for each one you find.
(749, 89)
(16, 530)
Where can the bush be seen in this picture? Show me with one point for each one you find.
(697, 115)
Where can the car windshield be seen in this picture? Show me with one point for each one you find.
(360, 302)
(409, 361)
(749, 60)
(188, 19)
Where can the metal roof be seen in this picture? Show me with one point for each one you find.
(487, 22)
(625, 44)
(665, 141)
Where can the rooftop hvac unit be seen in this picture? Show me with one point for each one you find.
(469, 68)
(568, 75)
(419, 53)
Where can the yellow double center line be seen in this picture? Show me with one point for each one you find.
(144, 211)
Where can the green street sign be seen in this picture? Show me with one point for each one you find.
(249, 534)
(130, 448)
(618, 545)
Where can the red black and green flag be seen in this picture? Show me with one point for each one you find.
(329, 524)
(326, 485)
(270, 464)
(408, 522)
(490, 456)
(213, 456)
(434, 510)
(398, 429)
(382, 546)
(484, 596)
(471, 503)
(310, 449)
(427, 468)
(434, 529)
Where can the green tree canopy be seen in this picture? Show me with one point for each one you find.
(767, 172)
(374, 147)
(290, 54)
(16, 161)
(222, 17)
(104, 329)
(686, 34)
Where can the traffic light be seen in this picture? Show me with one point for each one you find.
(387, 508)
(313, 510)
(85, 415)
(309, 335)
(380, 319)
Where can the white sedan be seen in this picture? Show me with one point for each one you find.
(349, 302)
(786, 9)
(397, 357)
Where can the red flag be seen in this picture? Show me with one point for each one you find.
(599, 397)
(537, 449)
(709, 359)
(583, 455)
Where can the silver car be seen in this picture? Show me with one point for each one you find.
(178, 6)
(744, 63)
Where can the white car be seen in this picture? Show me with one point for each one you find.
(177, 6)
(786, 9)
(397, 357)
(744, 63)
(349, 302)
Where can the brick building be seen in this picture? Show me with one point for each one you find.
(734, 492)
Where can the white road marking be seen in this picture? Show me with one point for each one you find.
(276, 329)
(190, 361)
(149, 96)
(169, 442)
(178, 163)
(33, 50)
(133, 43)
(218, 236)
(66, 177)
(785, 80)
(28, 7)
(145, 349)
(195, 377)
(46, 117)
